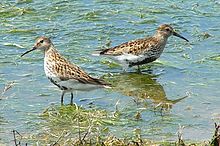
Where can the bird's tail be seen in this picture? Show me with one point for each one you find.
(100, 52)
(102, 82)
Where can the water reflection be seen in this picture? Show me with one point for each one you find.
(142, 86)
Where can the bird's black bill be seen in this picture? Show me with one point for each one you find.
(34, 48)
(178, 35)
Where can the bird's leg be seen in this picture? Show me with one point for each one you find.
(125, 67)
(124, 71)
(138, 69)
(63, 92)
(71, 101)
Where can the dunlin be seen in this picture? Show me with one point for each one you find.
(141, 51)
(62, 73)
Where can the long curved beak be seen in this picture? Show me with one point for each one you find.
(178, 35)
(34, 48)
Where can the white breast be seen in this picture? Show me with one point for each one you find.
(48, 66)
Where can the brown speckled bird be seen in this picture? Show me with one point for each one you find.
(64, 74)
(141, 51)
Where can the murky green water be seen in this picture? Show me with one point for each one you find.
(77, 28)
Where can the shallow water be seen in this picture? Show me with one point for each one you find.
(78, 28)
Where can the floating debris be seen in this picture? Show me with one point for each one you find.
(7, 87)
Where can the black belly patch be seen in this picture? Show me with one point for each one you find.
(145, 61)
(55, 83)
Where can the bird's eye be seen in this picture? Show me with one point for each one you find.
(167, 29)
(41, 41)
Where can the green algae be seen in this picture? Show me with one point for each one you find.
(12, 11)
(74, 125)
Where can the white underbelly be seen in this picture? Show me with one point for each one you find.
(72, 84)
(126, 59)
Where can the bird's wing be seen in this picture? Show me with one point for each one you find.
(80, 75)
(135, 47)
(66, 70)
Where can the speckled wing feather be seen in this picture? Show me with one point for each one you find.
(66, 70)
(135, 47)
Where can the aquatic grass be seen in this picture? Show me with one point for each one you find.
(23, 1)
(144, 21)
(22, 31)
(79, 132)
(109, 63)
(74, 120)
(214, 58)
(9, 11)
(74, 125)
(95, 15)
(79, 125)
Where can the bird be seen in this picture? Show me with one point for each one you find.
(62, 73)
(140, 51)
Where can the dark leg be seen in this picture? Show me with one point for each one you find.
(62, 97)
(71, 101)
(138, 70)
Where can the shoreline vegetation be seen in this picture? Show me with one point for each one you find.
(74, 125)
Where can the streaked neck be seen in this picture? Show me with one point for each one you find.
(50, 50)
(161, 37)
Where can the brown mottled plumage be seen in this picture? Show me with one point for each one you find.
(64, 74)
(142, 51)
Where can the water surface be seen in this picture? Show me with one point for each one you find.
(77, 28)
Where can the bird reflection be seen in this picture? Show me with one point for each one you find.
(142, 86)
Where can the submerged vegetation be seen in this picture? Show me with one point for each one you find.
(74, 125)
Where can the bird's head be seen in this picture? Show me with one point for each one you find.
(166, 31)
(42, 43)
